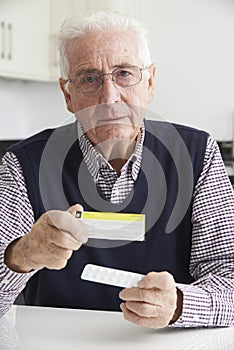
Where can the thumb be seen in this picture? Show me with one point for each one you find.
(75, 207)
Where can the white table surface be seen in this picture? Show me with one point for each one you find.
(34, 328)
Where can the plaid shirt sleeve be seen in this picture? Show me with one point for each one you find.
(209, 301)
(16, 219)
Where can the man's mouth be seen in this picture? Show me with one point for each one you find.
(111, 120)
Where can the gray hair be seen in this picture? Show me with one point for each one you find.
(99, 21)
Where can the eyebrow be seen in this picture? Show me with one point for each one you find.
(95, 70)
(87, 70)
(124, 65)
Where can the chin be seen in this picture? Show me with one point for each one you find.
(117, 131)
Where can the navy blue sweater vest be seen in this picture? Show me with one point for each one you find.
(56, 177)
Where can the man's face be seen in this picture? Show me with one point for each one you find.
(112, 112)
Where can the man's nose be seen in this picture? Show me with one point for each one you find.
(110, 92)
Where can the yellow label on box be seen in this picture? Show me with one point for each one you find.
(116, 226)
(112, 216)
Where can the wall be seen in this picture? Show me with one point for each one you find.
(27, 107)
(192, 45)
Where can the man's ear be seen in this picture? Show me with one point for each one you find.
(62, 84)
(152, 72)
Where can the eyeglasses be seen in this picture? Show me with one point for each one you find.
(91, 80)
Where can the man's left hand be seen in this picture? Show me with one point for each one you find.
(155, 303)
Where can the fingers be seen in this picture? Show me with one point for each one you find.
(143, 295)
(161, 280)
(50, 243)
(52, 257)
(65, 222)
(61, 239)
(153, 303)
(149, 322)
(52, 239)
(144, 309)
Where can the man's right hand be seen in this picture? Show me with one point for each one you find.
(50, 243)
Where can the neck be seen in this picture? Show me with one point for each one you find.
(117, 152)
(117, 164)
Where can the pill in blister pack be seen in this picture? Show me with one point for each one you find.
(113, 277)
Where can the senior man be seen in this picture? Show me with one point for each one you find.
(114, 159)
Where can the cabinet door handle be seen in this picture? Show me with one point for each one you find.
(9, 56)
(3, 36)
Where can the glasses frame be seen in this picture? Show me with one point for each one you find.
(72, 81)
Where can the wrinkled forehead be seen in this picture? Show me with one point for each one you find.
(110, 48)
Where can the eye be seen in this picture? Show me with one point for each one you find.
(123, 73)
(90, 79)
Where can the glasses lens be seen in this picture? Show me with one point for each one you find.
(88, 82)
(127, 76)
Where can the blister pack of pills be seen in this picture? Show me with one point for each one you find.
(113, 277)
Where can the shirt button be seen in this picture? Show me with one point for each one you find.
(104, 165)
(196, 317)
(5, 281)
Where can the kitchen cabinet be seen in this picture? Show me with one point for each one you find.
(27, 37)
(27, 34)
(25, 45)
